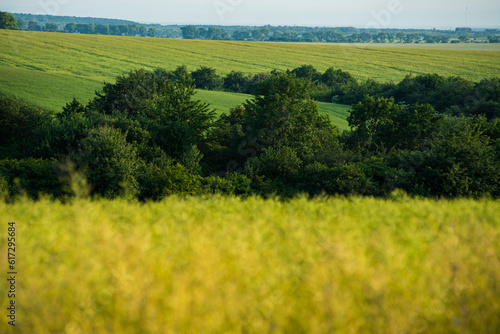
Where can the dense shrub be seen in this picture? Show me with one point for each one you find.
(31, 177)
(109, 161)
(156, 183)
(18, 120)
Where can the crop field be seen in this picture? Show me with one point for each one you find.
(49, 69)
(226, 265)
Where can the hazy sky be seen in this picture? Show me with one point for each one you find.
(359, 13)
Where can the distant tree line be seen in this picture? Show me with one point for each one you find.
(333, 35)
(92, 29)
(246, 33)
(146, 137)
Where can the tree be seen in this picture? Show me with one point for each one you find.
(143, 31)
(241, 35)
(110, 162)
(52, 27)
(307, 72)
(152, 32)
(18, 121)
(189, 32)
(283, 114)
(84, 28)
(70, 28)
(34, 26)
(336, 78)
(8, 21)
(22, 24)
(368, 117)
(102, 29)
(206, 78)
(164, 108)
(260, 34)
(235, 81)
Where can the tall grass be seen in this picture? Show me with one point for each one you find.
(225, 265)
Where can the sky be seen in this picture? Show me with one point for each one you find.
(332, 13)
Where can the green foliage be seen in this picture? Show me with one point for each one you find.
(460, 162)
(236, 81)
(31, 177)
(232, 184)
(110, 163)
(281, 163)
(8, 21)
(285, 115)
(307, 72)
(19, 121)
(347, 180)
(157, 183)
(369, 117)
(206, 78)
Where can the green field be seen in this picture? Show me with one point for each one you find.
(226, 265)
(49, 69)
(222, 102)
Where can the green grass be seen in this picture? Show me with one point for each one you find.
(223, 265)
(222, 102)
(49, 69)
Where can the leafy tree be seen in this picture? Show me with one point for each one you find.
(156, 183)
(369, 117)
(8, 21)
(206, 78)
(85, 28)
(22, 24)
(152, 32)
(30, 176)
(109, 161)
(241, 35)
(51, 27)
(285, 115)
(260, 34)
(460, 162)
(18, 120)
(70, 27)
(189, 32)
(34, 26)
(280, 163)
(102, 29)
(143, 31)
(335, 78)
(165, 108)
(235, 82)
(307, 72)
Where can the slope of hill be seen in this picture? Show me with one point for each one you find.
(49, 69)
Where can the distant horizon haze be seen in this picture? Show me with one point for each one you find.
(402, 14)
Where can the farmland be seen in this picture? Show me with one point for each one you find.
(225, 265)
(147, 220)
(49, 69)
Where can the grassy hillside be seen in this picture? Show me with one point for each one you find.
(222, 265)
(52, 68)
(222, 102)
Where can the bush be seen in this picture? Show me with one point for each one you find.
(346, 180)
(110, 162)
(19, 120)
(281, 163)
(232, 184)
(156, 183)
(32, 177)
(235, 81)
(207, 78)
